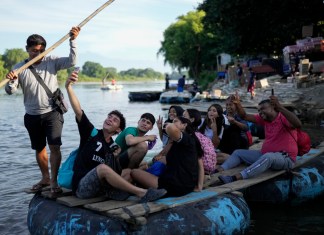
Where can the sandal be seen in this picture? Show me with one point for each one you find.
(152, 195)
(38, 187)
(56, 190)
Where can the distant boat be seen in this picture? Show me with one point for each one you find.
(144, 95)
(111, 87)
(174, 97)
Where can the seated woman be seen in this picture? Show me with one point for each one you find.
(213, 124)
(181, 173)
(207, 163)
(235, 133)
(174, 111)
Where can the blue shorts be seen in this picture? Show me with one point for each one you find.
(157, 168)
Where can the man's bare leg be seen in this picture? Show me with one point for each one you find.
(55, 161)
(42, 161)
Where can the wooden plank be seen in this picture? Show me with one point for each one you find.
(73, 201)
(213, 179)
(110, 204)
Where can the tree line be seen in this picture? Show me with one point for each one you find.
(90, 71)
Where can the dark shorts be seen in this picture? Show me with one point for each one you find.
(91, 186)
(44, 127)
(123, 159)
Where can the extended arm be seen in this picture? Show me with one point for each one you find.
(72, 97)
(291, 117)
(201, 175)
(133, 140)
(240, 110)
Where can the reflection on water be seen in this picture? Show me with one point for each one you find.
(19, 169)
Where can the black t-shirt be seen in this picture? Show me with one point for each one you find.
(92, 150)
(181, 173)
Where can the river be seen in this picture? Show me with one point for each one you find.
(19, 169)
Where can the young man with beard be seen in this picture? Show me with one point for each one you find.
(279, 149)
(96, 168)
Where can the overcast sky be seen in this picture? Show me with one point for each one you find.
(126, 34)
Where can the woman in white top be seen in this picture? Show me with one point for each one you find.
(213, 124)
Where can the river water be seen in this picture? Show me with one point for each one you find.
(18, 168)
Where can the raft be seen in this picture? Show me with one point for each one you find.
(174, 97)
(205, 212)
(145, 96)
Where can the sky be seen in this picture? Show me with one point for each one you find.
(126, 34)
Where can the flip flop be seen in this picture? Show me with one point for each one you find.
(38, 187)
(56, 190)
(152, 195)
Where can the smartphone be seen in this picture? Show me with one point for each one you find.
(114, 147)
(272, 91)
(76, 69)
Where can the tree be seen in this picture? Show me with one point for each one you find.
(13, 56)
(93, 69)
(184, 43)
(3, 70)
(254, 27)
(112, 72)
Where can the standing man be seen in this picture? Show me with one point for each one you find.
(132, 142)
(42, 121)
(167, 82)
(96, 168)
(239, 72)
(181, 83)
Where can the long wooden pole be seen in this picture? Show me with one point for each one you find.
(31, 62)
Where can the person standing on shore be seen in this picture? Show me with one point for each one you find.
(167, 82)
(42, 121)
(181, 83)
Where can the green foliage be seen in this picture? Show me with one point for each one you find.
(13, 56)
(142, 73)
(184, 42)
(3, 70)
(206, 78)
(93, 69)
(252, 27)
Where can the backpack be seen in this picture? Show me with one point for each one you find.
(209, 155)
(65, 174)
(303, 142)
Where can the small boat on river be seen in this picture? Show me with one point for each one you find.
(111, 87)
(174, 97)
(144, 95)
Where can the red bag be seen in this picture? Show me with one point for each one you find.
(303, 142)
